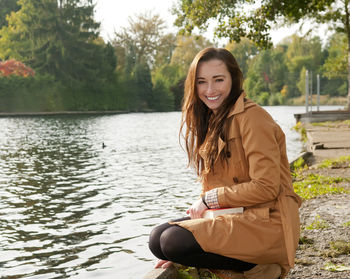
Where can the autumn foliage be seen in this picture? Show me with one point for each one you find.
(13, 67)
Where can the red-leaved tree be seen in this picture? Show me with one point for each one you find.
(13, 67)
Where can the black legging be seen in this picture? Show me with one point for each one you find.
(176, 244)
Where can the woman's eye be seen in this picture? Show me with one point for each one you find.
(201, 81)
(219, 80)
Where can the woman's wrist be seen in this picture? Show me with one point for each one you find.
(203, 200)
(211, 198)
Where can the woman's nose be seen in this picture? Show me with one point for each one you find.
(210, 88)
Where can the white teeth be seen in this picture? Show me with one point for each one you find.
(212, 98)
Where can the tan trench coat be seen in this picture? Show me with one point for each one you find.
(256, 177)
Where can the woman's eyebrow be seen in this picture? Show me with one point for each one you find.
(216, 76)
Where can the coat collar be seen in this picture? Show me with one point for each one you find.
(241, 104)
(238, 107)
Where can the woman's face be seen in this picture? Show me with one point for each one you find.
(213, 83)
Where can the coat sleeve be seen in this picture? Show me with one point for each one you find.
(259, 135)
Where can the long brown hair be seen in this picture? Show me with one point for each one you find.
(201, 123)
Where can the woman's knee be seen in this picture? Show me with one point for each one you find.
(175, 242)
(154, 238)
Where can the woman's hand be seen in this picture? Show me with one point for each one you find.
(163, 264)
(197, 209)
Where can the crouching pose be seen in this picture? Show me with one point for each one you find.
(239, 153)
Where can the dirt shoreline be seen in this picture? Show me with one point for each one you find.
(324, 246)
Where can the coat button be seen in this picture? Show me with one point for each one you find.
(235, 179)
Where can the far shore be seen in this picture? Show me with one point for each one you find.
(109, 112)
(58, 113)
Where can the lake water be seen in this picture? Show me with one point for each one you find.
(70, 208)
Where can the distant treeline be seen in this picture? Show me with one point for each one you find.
(142, 68)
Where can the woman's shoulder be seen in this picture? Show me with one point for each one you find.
(255, 111)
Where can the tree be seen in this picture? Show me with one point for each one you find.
(254, 19)
(145, 36)
(57, 38)
(186, 48)
(268, 73)
(166, 86)
(334, 68)
(162, 96)
(243, 51)
(165, 50)
(13, 67)
(335, 65)
(143, 82)
(6, 7)
(302, 52)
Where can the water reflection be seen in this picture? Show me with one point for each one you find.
(71, 208)
(46, 176)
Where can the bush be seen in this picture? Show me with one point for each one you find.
(38, 93)
(263, 99)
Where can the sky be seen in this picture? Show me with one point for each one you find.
(113, 14)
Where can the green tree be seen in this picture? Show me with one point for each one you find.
(334, 68)
(165, 50)
(268, 73)
(243, 51)
(162, 97)
(335, 65)
(178, 92)
(254, 19)
(143, 83)
(58, 38)
(301, 83)
(302, 53)
(166, 79)
(6, 7)
(145, 36)
(186, 48)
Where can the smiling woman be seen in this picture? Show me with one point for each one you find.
(239, 153)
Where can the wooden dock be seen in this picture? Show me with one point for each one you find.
(321, 116)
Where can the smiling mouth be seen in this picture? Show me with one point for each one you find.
(213, 98)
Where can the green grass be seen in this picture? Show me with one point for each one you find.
(332, 123)
(305, 240)
(341, 246)
(299, 127)
(298, 166)
(192, 273)
(341, 162)
(314, 185)
(346, 224)
(336, 268)
(317, 224)
(337, 248)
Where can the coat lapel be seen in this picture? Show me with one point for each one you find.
(221, 145)
(238, 107)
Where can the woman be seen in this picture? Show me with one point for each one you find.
(239, 152)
